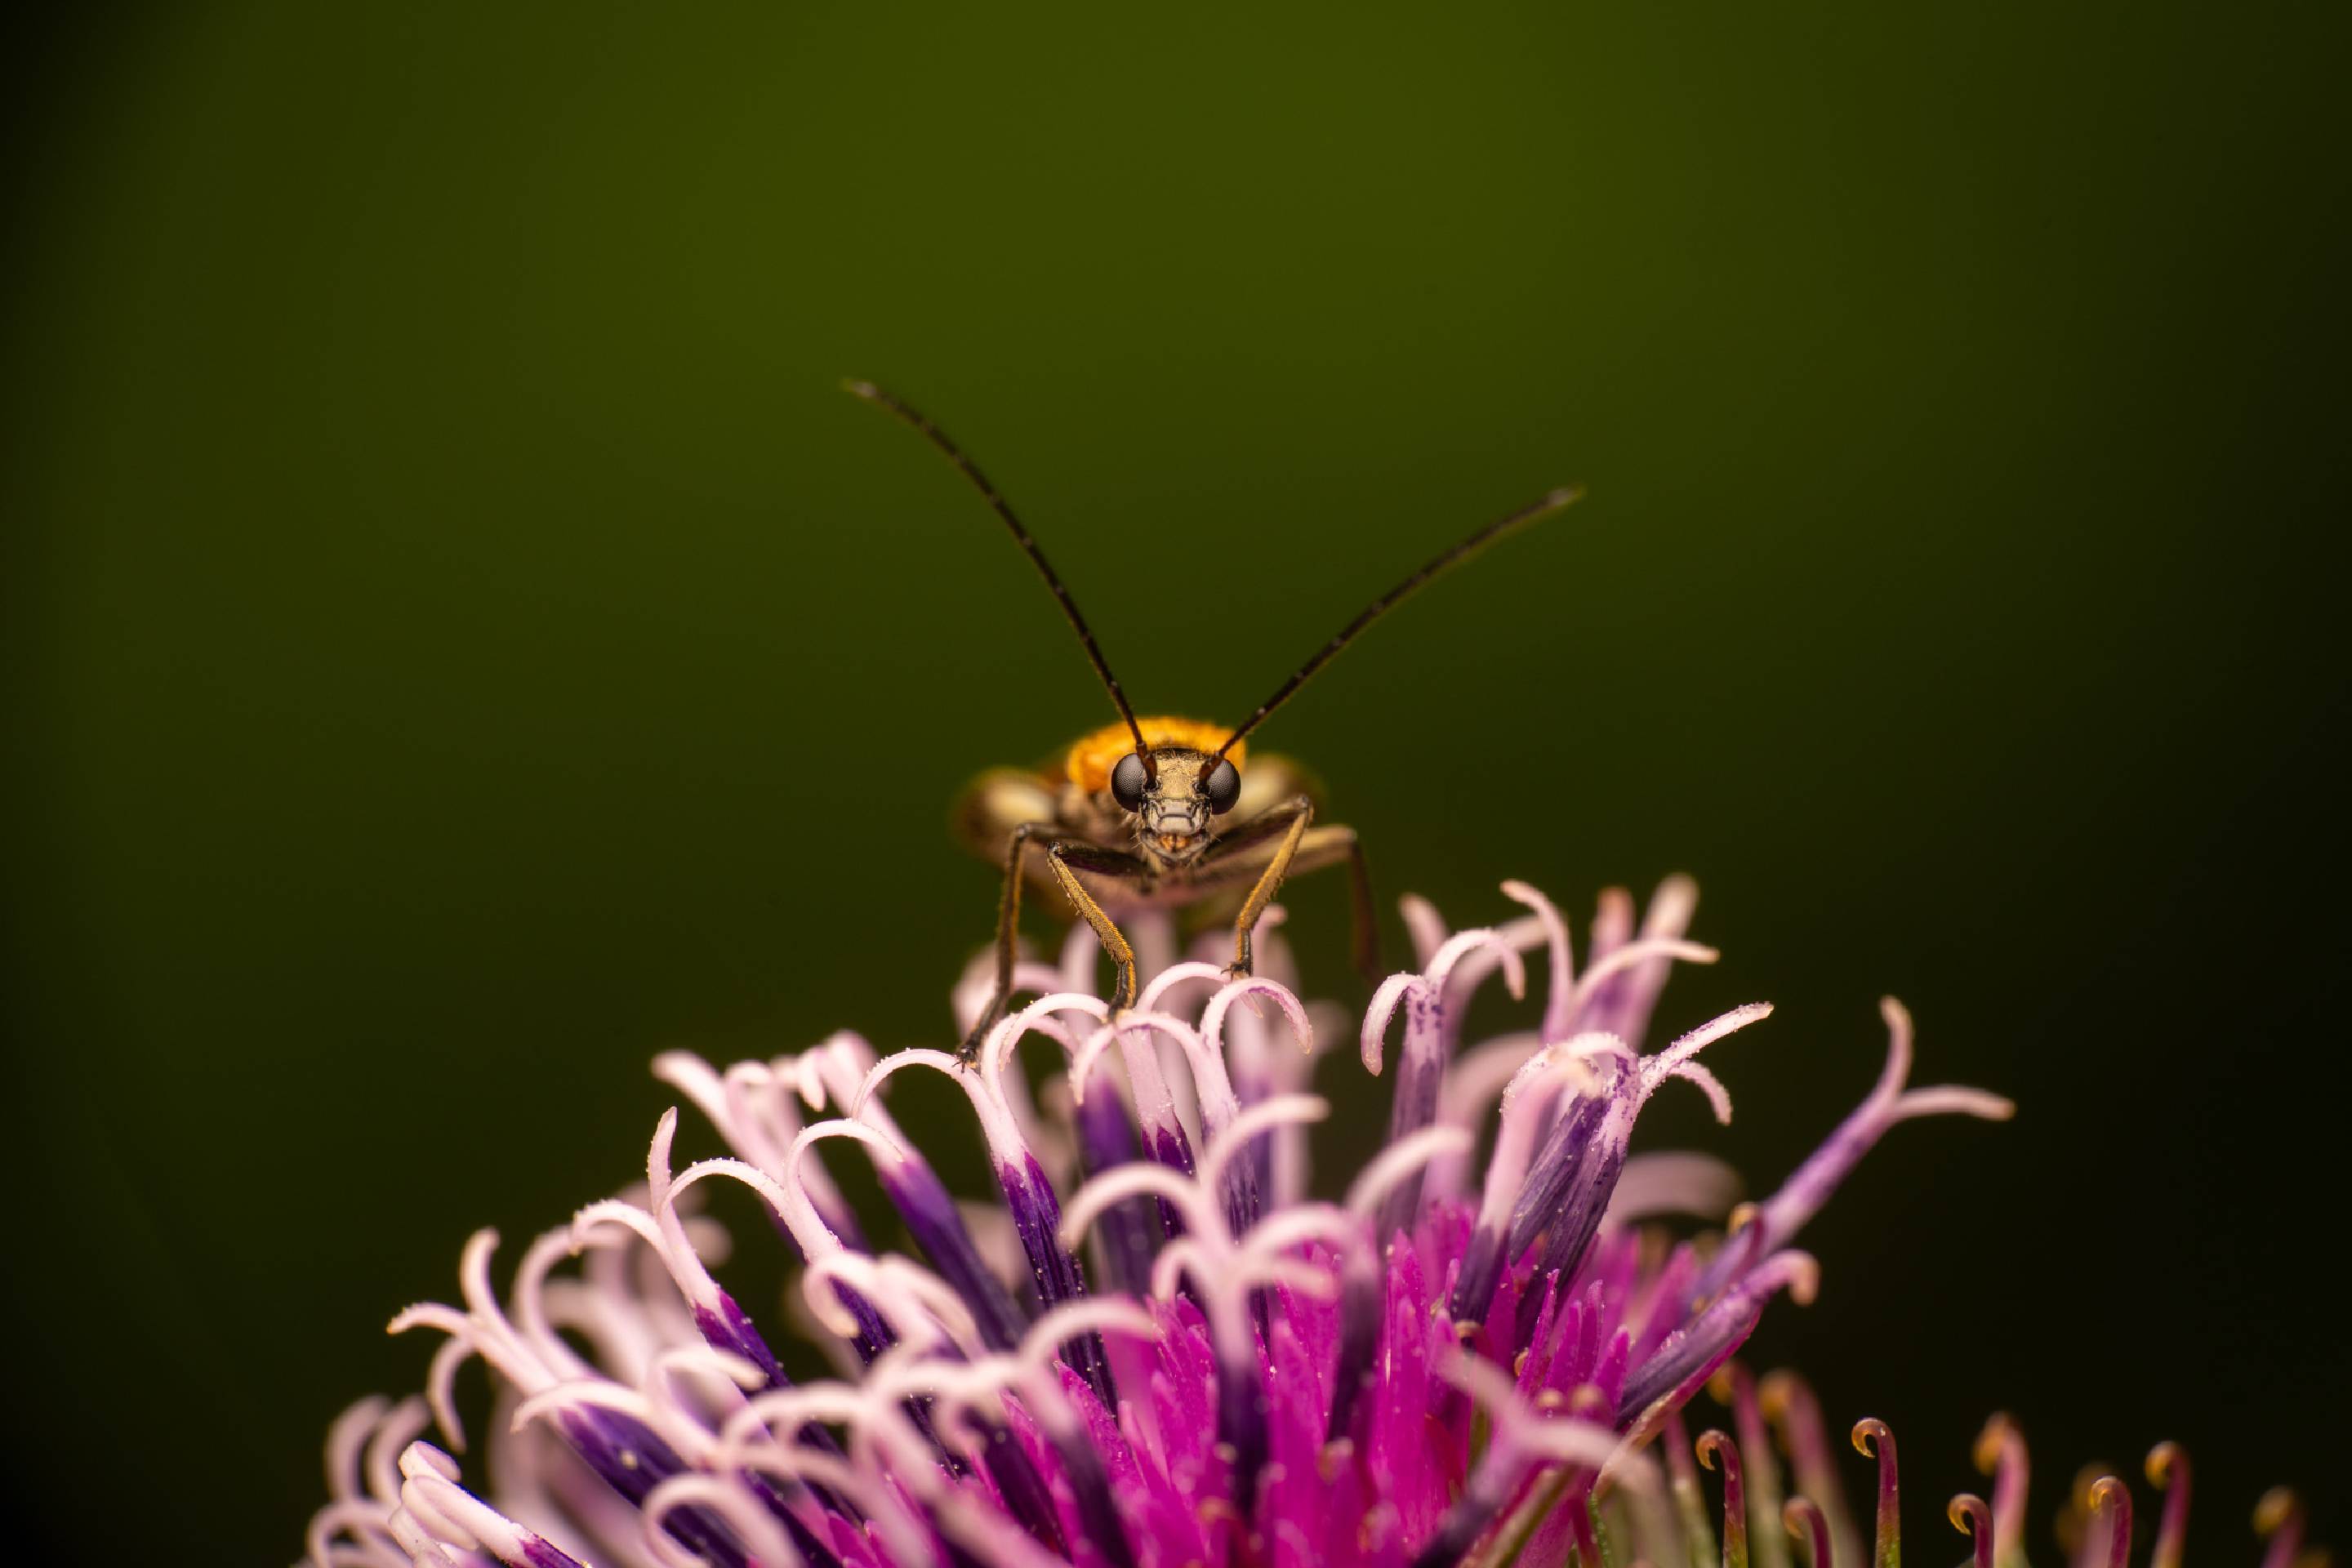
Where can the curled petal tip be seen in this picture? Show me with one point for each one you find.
(1970, 1513)
(1809, 1527)
(1715, 1440)
(1868, 1434)
(2276, 1508)
(1998, 1429)
(1371, 1040)
(2079, 1492)
(2164, 1461)
(2108, 1493)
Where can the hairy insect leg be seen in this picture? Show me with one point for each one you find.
(1064, 860)
(1289, 823)
(1062, 856)
(1008, 936)
(1241, 858)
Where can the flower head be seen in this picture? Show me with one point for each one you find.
(1158, 1349)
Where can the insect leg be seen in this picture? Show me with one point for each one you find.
(1236, 861)
(1290, 819)
(1064, 857)
(1008, 933)
(1061, 854)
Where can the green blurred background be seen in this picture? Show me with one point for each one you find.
(460, 640)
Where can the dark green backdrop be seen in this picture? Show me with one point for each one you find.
(460, 641)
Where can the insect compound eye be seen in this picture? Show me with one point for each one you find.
(1223, 787)
(1127, 781)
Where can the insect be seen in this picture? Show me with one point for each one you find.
(1159, 811)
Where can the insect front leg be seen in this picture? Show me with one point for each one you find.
(1067, 857)
(1008, 934)
(1244, 856)
(1061, 856)
(1286, 825)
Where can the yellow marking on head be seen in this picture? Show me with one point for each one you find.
(1090, 760)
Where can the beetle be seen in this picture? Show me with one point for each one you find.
(1129, 818)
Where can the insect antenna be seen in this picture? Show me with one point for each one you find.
(1557, 501)
(970, 470)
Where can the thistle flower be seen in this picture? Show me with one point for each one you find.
(1159, 1351)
